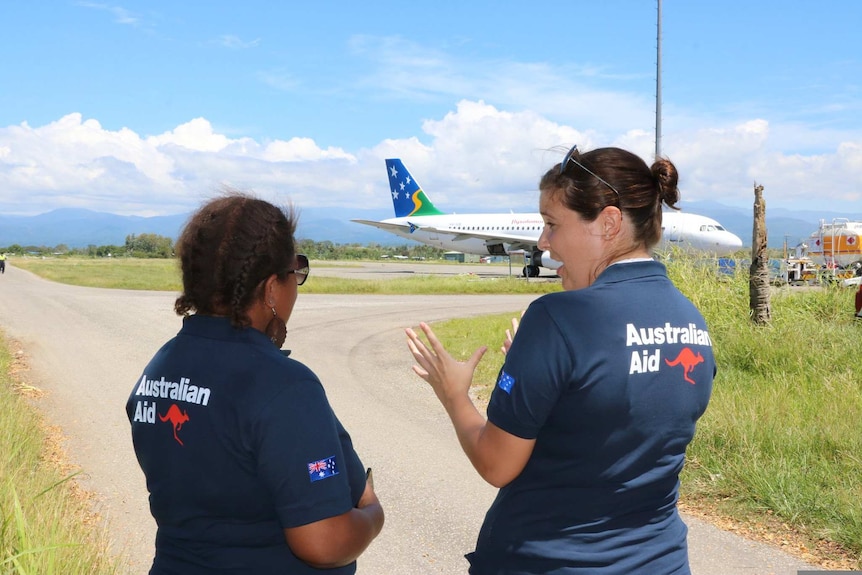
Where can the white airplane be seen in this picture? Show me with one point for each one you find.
(417, 219)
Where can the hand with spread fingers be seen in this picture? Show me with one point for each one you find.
(510, 334)
(498, 456)
(449, 377)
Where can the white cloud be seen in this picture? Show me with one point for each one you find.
(476, 157)
(74, 157)
(195, 135)
(300, 149)
(722, 164)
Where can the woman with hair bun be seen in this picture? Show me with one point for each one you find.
(601, 387)
(248, 468)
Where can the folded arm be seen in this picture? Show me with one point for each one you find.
(339, 540)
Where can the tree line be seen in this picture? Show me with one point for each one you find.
(157, 246)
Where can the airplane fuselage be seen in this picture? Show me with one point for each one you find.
(463, 232)
(694, 232)
(473, 233)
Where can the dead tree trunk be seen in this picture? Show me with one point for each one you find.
(758, 279)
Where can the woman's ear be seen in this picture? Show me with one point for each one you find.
(612, 220)
(270, 289)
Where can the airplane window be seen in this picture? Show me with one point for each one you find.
(719, 228)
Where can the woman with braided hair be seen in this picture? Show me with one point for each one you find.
(248, 468)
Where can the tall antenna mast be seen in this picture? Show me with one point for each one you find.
(658, 85)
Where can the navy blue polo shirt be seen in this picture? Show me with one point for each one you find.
(609, 380)
(237, 442)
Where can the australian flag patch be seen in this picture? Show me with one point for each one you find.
(322, 469)
(505, 381)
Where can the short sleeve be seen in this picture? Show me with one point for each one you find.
(353, 465)
(302, 456)
(536, 372)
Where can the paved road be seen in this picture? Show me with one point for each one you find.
(87, 346)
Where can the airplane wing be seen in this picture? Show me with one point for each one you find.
(387, 226)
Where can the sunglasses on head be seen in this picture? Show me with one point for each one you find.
(570, 158)
(301, 270)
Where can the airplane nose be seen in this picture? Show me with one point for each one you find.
(729, 243)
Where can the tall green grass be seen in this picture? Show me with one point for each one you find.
(43, 526)
(783, 432)
(782, 437)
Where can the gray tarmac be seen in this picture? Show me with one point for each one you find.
(86, 348)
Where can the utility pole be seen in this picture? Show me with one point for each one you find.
(658, 85)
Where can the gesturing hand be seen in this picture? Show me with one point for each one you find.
(449, 378)
(510, 334)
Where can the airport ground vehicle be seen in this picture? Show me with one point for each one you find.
(837, 244)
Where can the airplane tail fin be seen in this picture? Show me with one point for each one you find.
(407, 197)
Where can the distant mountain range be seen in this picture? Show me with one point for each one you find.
(78, 228)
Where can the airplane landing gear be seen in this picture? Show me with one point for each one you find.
(531, 271)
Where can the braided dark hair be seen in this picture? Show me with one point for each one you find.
(226, 251)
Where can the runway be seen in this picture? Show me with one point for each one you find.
(86, 348)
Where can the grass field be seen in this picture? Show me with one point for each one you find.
(779, 450)
(47, 527)
(160, 274)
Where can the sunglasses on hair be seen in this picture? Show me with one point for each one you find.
(570, 157)
(302, 269)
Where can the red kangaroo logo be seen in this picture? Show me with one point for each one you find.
(688, 359)
(177, 419)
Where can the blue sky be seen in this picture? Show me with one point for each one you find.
(148, 108)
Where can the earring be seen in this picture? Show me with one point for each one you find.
(273, 311)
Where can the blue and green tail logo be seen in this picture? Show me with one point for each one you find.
(407, 197)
